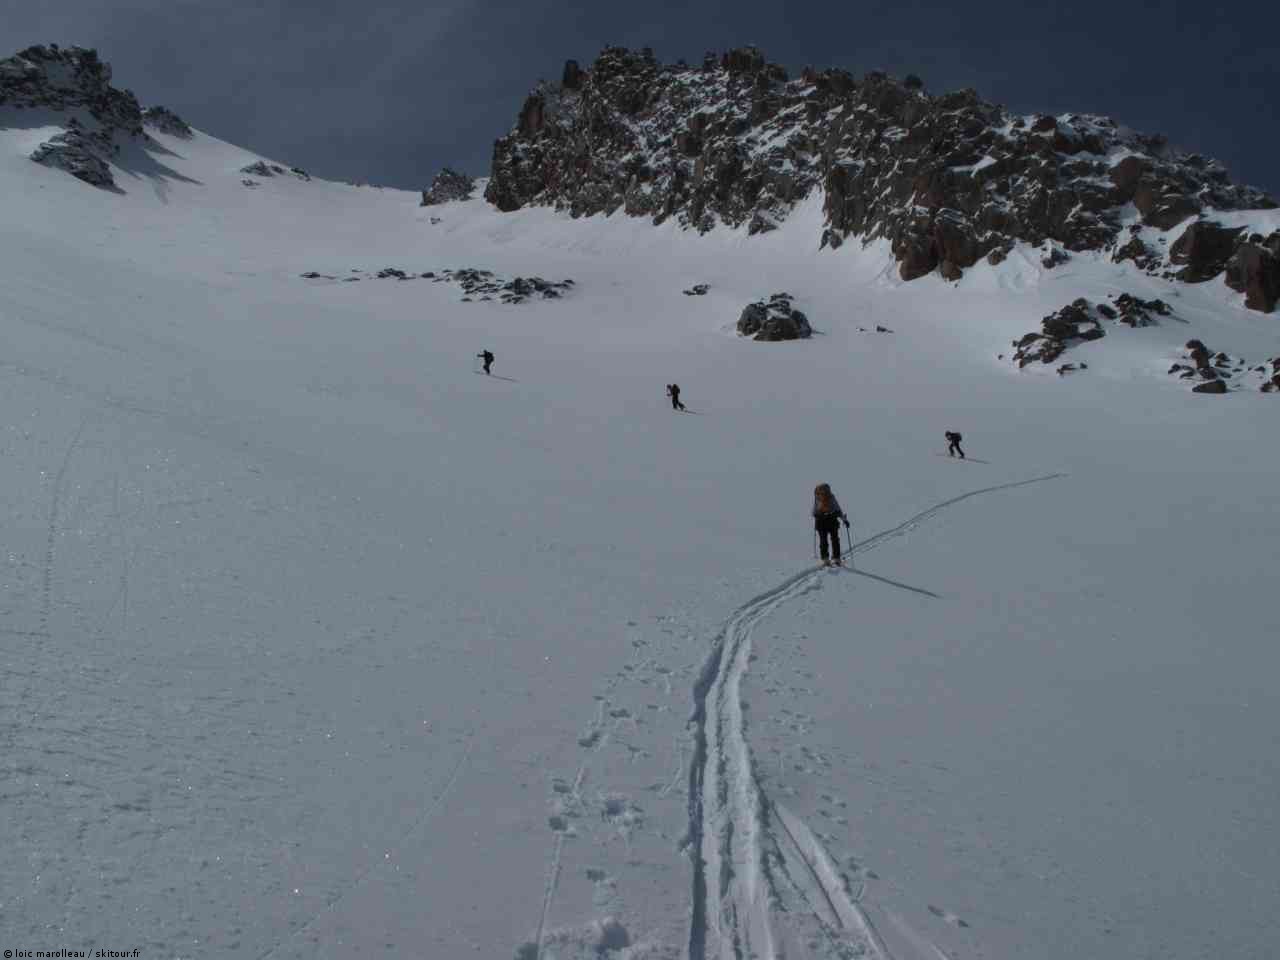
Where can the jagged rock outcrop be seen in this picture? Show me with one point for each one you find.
(73, 80)
(448, 185)
(100, 118)
(1254, 270)
(79, 154)
(166, 121)
(773, 320)
(947, 180)
(1203, 249)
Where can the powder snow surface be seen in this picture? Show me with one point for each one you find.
(317, 643)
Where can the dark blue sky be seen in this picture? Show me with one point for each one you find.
(387, 91)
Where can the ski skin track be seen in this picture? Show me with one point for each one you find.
(729, 815)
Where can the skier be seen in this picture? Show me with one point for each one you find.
(673, 391)
(826, 520)
(487, 357)
(953, 441)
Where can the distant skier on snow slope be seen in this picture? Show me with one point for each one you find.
(673, 391)
(487, 357)
(953, 444)
(826, 520)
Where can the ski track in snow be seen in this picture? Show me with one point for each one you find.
(54, 510)
(753, 859)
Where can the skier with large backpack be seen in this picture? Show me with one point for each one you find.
(827, 515)
(953, 444)
(673, 391)
(487, 357)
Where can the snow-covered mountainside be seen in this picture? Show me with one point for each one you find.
(316, 641)
(948, 180)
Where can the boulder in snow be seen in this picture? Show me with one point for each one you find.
(774, 319)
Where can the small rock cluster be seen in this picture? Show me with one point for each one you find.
(1219, 372)
(697, 290)
(1074, 324)
(476, 284)
(1271, 381)
(1081, 321)
(261, 168)
(774, 319)
(1134, 311)
(448, 185)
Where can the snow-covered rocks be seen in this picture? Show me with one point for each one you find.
(1075, 323)
(1220, 372)
(79, 154)
(485, 285)
(262, 168)
(1081, 321)
(74, 81)
(476, 284)
(697, 290)
(774, 319)
(448, 185)
(1134, 311)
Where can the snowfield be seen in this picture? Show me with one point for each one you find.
(317, 643)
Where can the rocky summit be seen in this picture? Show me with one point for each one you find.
(98, 118)
(946, 179)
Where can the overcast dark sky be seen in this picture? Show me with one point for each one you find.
(386, 91)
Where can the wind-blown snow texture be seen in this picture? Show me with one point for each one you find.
(316, 642)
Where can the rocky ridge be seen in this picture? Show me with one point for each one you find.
(946, 180)
(100, 118)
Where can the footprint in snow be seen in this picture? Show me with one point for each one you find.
(947, 915)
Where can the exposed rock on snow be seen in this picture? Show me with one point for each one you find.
(697, 290)
(1134, 311)
(261, 168)
(448, 185)
(1075, 323)
(78, 154)
(773, 320)
(1220, 372)
(476, 284)
(166, 121)
(1211, 386)
(75, 81)
(1081, 321)
(1203, 249)
(1254, 270)
(946, 179)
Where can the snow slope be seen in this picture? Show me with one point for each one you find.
(317, 643)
